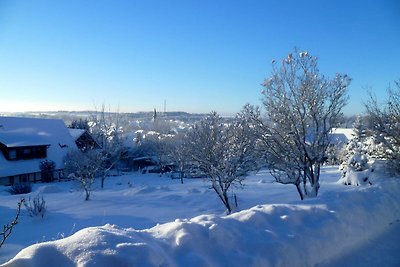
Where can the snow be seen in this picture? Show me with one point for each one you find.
(365, 255)
(148, 220)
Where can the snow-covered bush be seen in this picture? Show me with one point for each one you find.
(357, 170)
(36, 207)
(20, 188)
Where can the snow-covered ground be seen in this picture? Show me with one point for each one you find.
(147, 220)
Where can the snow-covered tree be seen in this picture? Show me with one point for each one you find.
(223, 152)
(80, 124)
(333, 155)
(180, 156)
(83, 168)
(301, 107)
(47, 168)
(384, 122)
(359, 130)
(357, 170)
(357, 144)
(107, 131)
(355, 166)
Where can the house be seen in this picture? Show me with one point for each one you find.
(145, 163)
(341, 136)
(25, 142)
(83, 139)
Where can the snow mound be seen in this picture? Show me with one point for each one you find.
(194, 191)
(145, 189)
(49, 189)
(265, 235)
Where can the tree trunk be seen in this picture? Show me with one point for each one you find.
(224, 199)
(299, 191)
(103, 177)
(181, 175)
(226, 202)
(314, 189)
(87, 192)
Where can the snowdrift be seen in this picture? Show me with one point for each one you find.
(265, 235)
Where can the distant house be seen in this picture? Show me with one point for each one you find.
(25, 142)
(141, 163)
(341, 136)
(83, 139)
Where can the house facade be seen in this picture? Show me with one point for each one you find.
(25, 142)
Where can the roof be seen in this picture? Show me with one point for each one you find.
(19, 132)
(76, 133)
(347, 132)
(341, 135)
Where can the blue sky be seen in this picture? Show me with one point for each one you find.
(197, 55)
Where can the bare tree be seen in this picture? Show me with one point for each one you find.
(107, 130)
(163, 145)
(80, 124)
(301, 107)
(47, 168)
(384, 121)
(83, 168)
(180, 156)
(7, 228)
(223, 152)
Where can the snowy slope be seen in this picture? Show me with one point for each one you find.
(285, 232)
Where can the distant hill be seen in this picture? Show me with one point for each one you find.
(69, 116)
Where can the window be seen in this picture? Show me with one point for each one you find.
(24, 178)
(26, 153)
(40, 152)
(21, 153)
(12, 154)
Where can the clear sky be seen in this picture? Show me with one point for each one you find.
(198, 55)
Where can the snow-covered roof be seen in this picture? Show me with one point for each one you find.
(20, 132)
(348, 132)
(22, 137)
(76, 133)
(341, 135)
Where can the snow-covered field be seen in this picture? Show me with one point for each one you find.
(147, 220)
